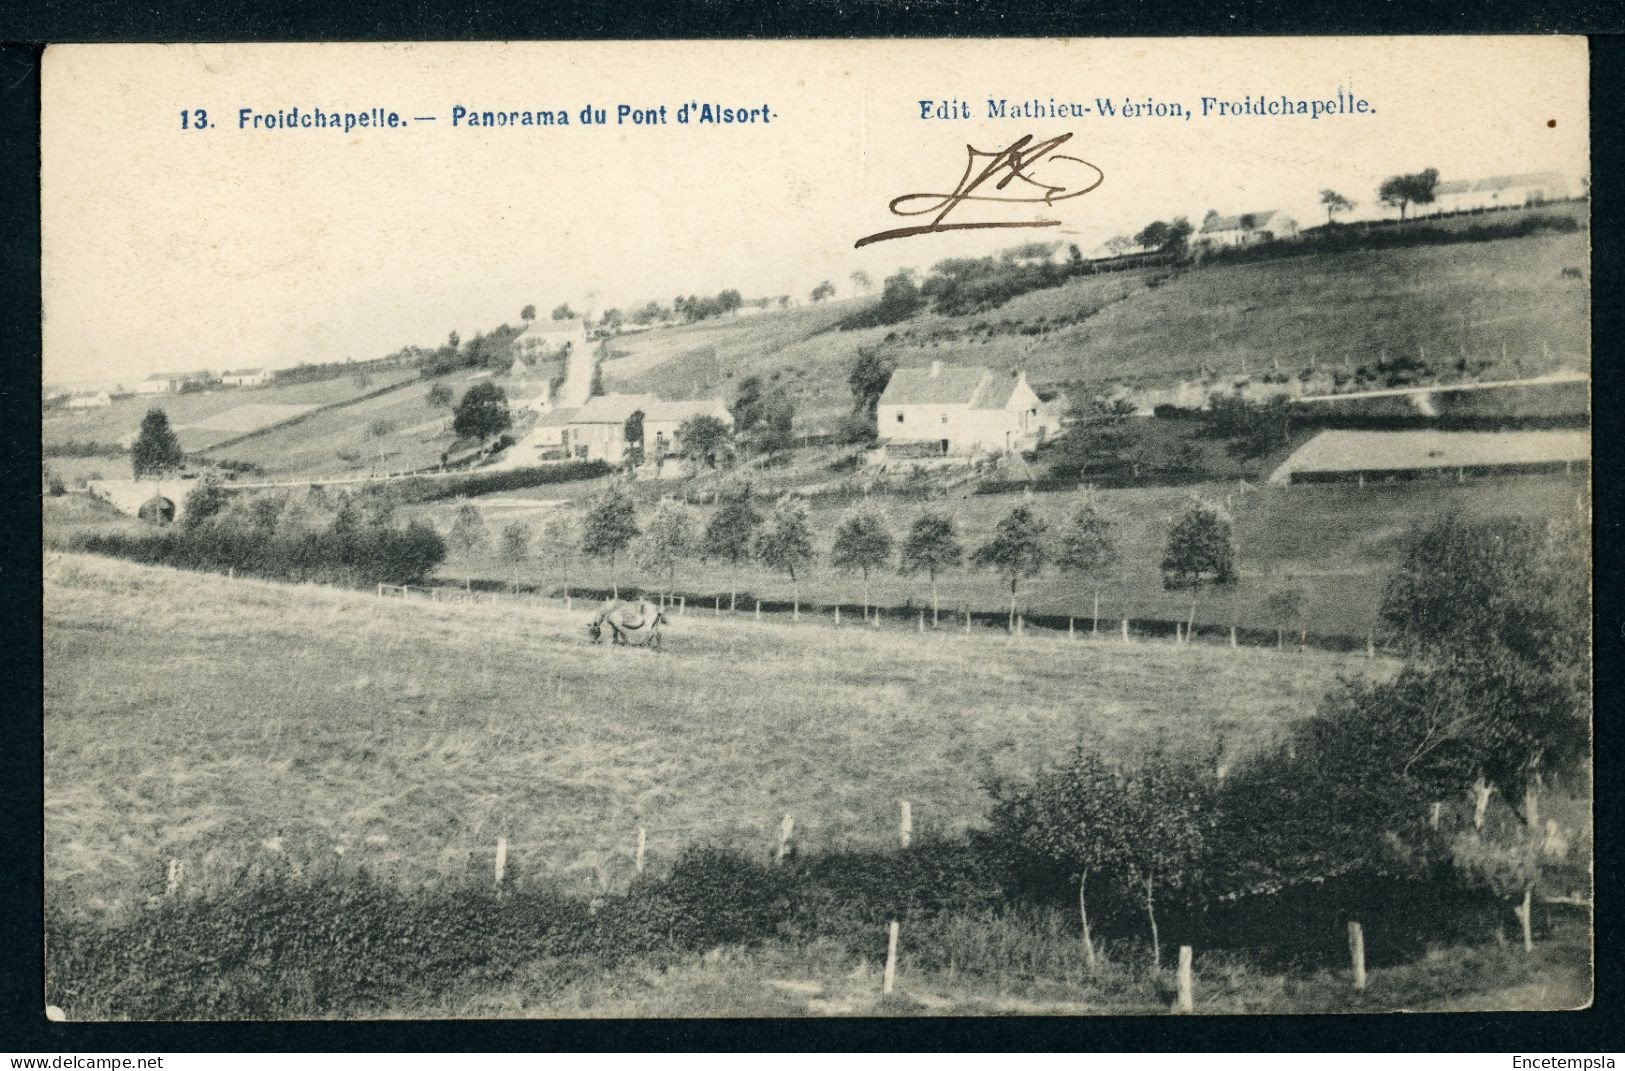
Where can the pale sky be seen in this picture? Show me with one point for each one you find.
(168, 249)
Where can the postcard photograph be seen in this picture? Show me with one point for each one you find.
(819, 528)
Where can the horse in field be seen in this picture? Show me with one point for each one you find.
(630, 624)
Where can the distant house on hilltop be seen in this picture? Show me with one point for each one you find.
(1249, 228)
(543, 337)
(98, 399)
(963, 410)
(1500, 191)
(171, 382)
(246, 377)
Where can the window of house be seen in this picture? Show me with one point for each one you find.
(899, 418)
(943, 418)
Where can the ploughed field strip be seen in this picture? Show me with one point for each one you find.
(225, 723)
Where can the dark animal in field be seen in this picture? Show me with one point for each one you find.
(630, 624)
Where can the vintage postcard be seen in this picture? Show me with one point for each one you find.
(824, 528)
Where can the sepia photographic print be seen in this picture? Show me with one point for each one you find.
(828, 528)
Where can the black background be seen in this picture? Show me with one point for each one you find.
(24, 31)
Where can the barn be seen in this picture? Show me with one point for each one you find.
(1358, 456)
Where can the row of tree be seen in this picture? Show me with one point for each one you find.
(1200, 548)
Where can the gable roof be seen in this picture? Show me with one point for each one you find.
(1233, 223)
(968, 385)
(681, 411)
(613, 408)
(556, 418)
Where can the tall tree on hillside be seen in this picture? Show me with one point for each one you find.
(1088, 547)
(862, 281)
(561, 542)
(632, 431)
(863, 542)
(563, 312)
(825, 289)
(784, 543)
(1201, 548)
(1335, 203)
(157, 452)
(932, 548)
(515, 548)
(483, 412)
(1016, 551)
(870, 372)
(1152, 236)
(730, 535)
(1402, 191)
(610, 525)
(528, 313)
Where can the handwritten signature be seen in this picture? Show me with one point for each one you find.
(1013, 165)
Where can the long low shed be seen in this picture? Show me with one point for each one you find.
(1351, 455)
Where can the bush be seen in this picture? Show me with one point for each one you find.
(480, 483)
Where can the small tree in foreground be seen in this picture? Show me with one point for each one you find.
(515, 548)
(784, 543)
(610, 525)
(1016, 551)
(729, 536)
(468, 530)
(1201, 548)
(1087, 548)
(668, 539)
(561, 543)
(863, 543)
(932, 548)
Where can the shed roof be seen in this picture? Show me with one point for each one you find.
(1395, 451)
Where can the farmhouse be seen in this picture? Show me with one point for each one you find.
(85, 399)
(597, 430)
(1357, 456)
(1249, 228)
(171, 382)
(246, 377)
(963, 410)
(1500, 191)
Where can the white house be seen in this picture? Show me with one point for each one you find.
(1499, 191)
(597, 430)
(662, 421)
(86, 399)
(963, 410)
(1248, 228)
(170, 382)
(246, 377)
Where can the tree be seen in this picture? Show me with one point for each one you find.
(730, 534)
(515, 548)
(528, 313)
(483, 412)
(632, 431)
(863, 542)
(764, 419)
(439, 396)
(1087, 547)
(1153, 235)
(1287, 605)
(468, 531)
(1119, 244)
(157, 452)
(825, 289)
(1015, 551)
(610, 525)
(932, 547)
(561, 541)
(1097, 440)
(1075, 262)
(1178, 236)
(379, 430)
(870, 372)
(204, 501)
(563, 312)
(1167, 809)
(784, 543)
(704, 440)
(862, 281)
(1335, 203)
(1401, 191)
(1201, 548)
(668, 539)
(612, 319)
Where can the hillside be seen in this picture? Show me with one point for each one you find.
(1154, 327)
(266, 718)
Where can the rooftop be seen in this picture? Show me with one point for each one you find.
(939, 384)
(1397, 451)
(1233, 223)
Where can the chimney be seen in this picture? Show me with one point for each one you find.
(936, 369)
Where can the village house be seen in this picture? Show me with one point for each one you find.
(1249, 228)
(1499, 191)
(963, 410)
(86, 399)
(550, 337)
(171, 382)
(597, 430)
(246, 377)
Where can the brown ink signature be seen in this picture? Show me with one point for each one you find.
(1014, 164)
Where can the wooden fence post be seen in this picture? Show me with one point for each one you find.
(172, 883)
(502, 860)
(1021, 625)
(1371, 645)
(231, 572)
(905, 824)
(967, 621)
(875, 620)
(891, 959)
(786, 827)
(837, 617)
(380, 591)
(642, 840)
(1233, 643)
(922, 620)
(1094, 617)
(718, 609)
(682, 605)
(1433, 815)
(758, 610)
(1524, 912)
(1357, 954)
(1186, 1001)
(1125, 630)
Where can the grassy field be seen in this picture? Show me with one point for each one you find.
(207, 417)
(1330, 310)
(263, 719)
(1336, 543)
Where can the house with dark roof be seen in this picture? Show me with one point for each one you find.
(1248, 228)
(963, 410)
